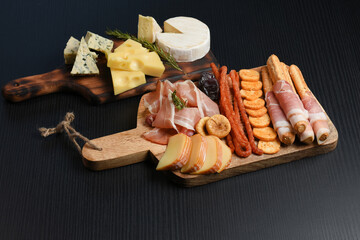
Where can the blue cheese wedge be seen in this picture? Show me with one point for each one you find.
(99, 43)
(84, 62)
(71, 50)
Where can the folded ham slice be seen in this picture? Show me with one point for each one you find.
(165, 116)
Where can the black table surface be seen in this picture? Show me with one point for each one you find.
(47, 193)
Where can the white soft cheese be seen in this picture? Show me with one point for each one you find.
(185, 38)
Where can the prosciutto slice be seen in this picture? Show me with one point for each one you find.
(317, 116)
(277, 116)
(168, 120)
(291, 104)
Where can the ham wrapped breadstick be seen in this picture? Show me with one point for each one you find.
(277, 116)
(288, 99)
(317, 116)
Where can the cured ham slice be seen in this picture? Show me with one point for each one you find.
(291, 105)
(168, 120)
(317, 116)
(277, 116)
(308, 135)
(279, 120)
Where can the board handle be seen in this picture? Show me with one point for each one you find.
(119, 149)
(28, 87)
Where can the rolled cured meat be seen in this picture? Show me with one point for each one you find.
(279, 120)
(291, 105)
(317, 116)
(280, 123)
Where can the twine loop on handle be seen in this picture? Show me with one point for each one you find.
(70, 131)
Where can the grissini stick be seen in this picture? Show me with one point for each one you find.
(317, 116)
(280, 123)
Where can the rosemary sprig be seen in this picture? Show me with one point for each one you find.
(166, 57)
(178, 102)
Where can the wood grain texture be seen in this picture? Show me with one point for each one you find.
(130, 147)
(97, 89)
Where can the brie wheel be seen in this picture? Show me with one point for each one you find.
(185, 38)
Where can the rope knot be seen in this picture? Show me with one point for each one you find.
(70, 131)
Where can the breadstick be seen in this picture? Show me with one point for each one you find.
(317, 116)
(287, 75)
(275, 69)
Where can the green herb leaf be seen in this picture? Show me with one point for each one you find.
(166, 57)
(178, 102)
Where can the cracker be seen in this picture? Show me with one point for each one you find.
(269, 147)
(260, 122)
(254, 104)
(251, 85)
(265, 134)
(256, 112)
(249, 75)
(250, 95)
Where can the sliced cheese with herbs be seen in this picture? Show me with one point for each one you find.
(126, 80)
(186, 39)
(148, 28)
(71, 49)
(148, 63)
(84, 62)
(98, 43)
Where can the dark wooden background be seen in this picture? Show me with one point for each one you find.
(46, 193)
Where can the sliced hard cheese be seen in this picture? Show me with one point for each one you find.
(99, 43)
(125, 80)
(148, 63)
(186, 39)
(213, 157)
(84, 62)
(177, 153)
(148, 28)
(71, 50)
(197, 155)
(226, 156)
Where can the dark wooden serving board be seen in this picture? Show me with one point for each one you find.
(97, 89)
(124, 148)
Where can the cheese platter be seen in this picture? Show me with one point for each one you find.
(224, 124)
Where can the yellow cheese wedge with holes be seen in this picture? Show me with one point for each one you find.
(125, 80)
(177, 153)
(148, 63)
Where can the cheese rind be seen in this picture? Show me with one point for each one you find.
(148, 28)
(98, 43)
(186, 39)
(125, 80)
(84, 62)
(212, 160)
(176, 154)
(197, 155)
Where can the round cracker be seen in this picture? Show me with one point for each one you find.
(254, 104)
(260, 122)
(257, 112)
(251, 85)
(269, 147)
(265, 134)
(250, 95)
(249, 75)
